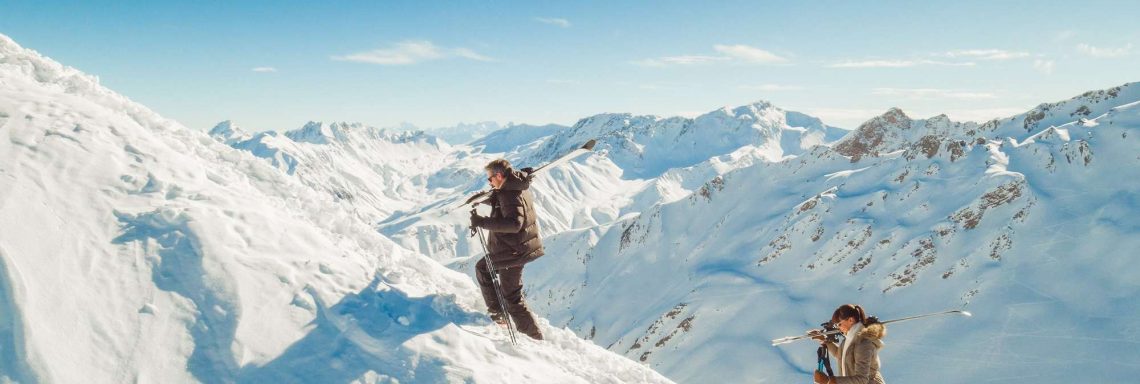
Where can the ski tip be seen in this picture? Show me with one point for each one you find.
(589, 146)
(783, 340)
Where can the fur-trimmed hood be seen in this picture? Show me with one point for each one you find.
(874, 332)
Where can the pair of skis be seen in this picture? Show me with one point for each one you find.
(825, 333)
(482, 197)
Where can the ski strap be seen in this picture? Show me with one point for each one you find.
(824, 361)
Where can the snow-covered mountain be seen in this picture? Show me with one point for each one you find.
(379, 170)
(647, 146)
(133, 249)
(640, 161)
(1028, 221)
(687, 244)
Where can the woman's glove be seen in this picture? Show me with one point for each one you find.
(817, 336)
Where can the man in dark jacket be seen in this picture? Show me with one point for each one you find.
(513, 242)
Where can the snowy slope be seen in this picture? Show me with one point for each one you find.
(135, 250)
(511, 138)
(378, 170)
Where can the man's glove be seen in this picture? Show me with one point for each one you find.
(822, 378)
(476, 220)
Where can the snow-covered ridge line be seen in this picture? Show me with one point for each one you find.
(75, 82)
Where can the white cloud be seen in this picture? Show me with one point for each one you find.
(264, 69)
(749, 54)
(662, 86)
(554, 21)
(984, 54)
(1043, 66)
(411, 52)
(737, 53)
(896, 63)
(931, 93)
(467, 53)
(679, 60)
(562, 81)
(1104, 52)
(874, 64)
(955, 58)
(772, 87)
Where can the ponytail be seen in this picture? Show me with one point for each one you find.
(853, 310)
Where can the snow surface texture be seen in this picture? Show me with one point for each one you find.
(688, 244)
(133, 249)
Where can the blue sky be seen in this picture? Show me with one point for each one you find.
(275, 65)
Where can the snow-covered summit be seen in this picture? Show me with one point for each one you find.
(894, 130)
(228, 132)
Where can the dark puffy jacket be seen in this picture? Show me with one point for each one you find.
(513, 227)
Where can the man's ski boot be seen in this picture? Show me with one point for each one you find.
(500, 319)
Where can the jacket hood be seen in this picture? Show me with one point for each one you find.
(516, 181)
(874, 332)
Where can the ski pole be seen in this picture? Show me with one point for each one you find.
(789, 339)
(495, 283)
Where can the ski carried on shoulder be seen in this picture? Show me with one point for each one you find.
(822, 332)
(482, 196)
